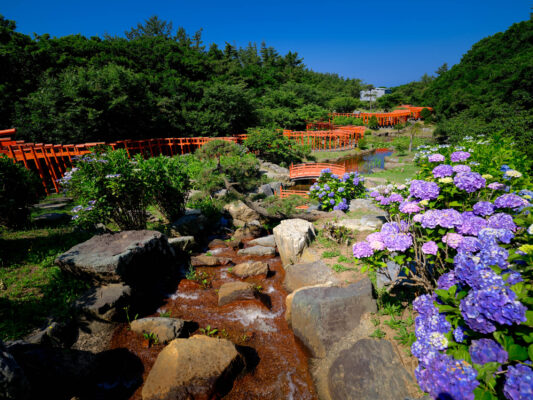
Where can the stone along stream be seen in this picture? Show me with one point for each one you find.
(280, 362)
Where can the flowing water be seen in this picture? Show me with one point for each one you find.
(282, 368)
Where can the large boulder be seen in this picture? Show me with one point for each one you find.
(292, 237)
(321, 316)
(365, 223)
(232, 291)
(136, 258)
(13, 382)
(241, 213)
(192, 223)
(250, 268)
(197, 368)
(308, 274)
(166, 329)
(266, 241)
(368, 370)
(257, 251)
(105, 302)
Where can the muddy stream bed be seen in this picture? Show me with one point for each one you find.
(281, 370)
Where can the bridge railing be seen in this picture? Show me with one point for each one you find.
(313, 170)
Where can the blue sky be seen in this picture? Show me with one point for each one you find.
(381, 42)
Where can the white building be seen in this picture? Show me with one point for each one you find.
(371, 95)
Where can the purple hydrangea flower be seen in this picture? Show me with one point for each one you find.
(331, 194)
(496, 186)
(436, 158)
(375, 240)
(469, 182)
(362, 250)
(502, 221)
(483, 351)
(519, 382)
(430, 248)
(481, 309)
(449, 218)
(472, 224)
(452, 239)
(469, 244)
(409, 207)
(442, 170)
(430, 219)
(393, 227)
(332, 201)
(510, 201)
(459, 156)
(424, 190)
(461, 169)
(395, 198)
(340, 190)
(418, 218)
(397, 241)
(447, 280)
(374, 194)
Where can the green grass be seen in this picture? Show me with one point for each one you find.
(33, 288)
(320, 156)
(397, 175)
(331, 254)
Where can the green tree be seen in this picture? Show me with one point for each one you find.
(153, 26)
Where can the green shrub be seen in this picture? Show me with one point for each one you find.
(362, 143)
(286, 206)
(373, 123)
(342, 120)
(167, 185)
(19, 189)
(217, 148)
(271, 145)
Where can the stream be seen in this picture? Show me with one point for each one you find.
(282, 369)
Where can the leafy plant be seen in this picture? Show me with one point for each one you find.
(340, 268)
(165, 314)
(271, 145)
(331, 254)
(151, 337)
(378, 334)
(208, 331)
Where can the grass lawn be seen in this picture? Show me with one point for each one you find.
(397, 175)
(330, 155)
(31, 287)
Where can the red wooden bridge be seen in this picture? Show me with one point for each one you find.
(313, 170)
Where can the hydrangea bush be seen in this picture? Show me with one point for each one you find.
(463, 232)
(334, 193)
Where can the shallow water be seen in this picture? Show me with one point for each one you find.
(282, 371)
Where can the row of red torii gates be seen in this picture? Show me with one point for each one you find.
(51, 161)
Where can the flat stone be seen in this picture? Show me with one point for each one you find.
(209, 261)
(250, 268)
(136, 258)
(366, 206)
(309, 274)
(321, 316)
(232, 291)
(365, 223)
(368, 370)
(105, 302)
(292, 237)
(166, 329)
(266, 241)
(191, 224)
(13, 382)
(197, 368)
(52, 218)
(257, 251)
(182, 243)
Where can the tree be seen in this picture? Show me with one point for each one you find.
(343, 104)
(442, 69)
(373, 123)
(415, 129)
(152, 27)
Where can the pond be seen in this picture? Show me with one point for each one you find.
(362, 163)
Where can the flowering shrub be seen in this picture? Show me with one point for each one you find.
(464, 234)
(109, 187)
(335, 193)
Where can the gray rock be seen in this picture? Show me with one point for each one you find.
(232, 291)
(13, 382)
(220, 193)
(368, 370)
(105, 302)
(137, 258)
(52, 218)
(292, 237)
(51, 206)
(209, 261)
(166, 329)
(241, 213)
(257, 251)
(195, 368)
(265, 189)
(365, 223)
(321, 316)
(266, 241)
(385, 276)
(367, 206)
(250, 268)
(182, 243)
(192, 223)
(54, 334)
(308, 274)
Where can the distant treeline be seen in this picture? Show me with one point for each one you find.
(491, 89)
(156, 82)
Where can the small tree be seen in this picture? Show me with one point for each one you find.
(271, 145)
(426, 115)
(398, 127)
(415, 129)
(373, 123)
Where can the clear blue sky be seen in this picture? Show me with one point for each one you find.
(379, 41)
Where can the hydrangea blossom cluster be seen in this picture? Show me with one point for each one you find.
(334, 193)
(393, 237)
(469, 181)
(424, 190)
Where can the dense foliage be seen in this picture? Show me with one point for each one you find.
(334, 192)
(463, 231)
(271, 145)
(488, 91)
(109, 187)
(155, 82)
(19, 190)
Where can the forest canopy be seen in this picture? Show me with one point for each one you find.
(155, 82)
